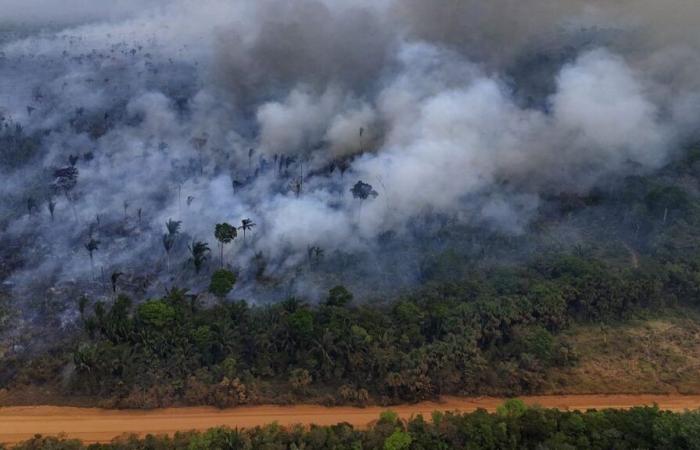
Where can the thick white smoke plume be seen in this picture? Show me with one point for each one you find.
(212, 111)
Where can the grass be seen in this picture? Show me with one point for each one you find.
(644, 355)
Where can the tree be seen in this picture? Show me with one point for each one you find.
(52, 207)
(198, 250)
(513, 408)
(399, 440)
(156, 313)
(222, 281)
(224, 233)
(363, 191)
(91, 247)
(338, 296)
(300, 379)
(173, 227)
(246, 224)
(65, 179)
(115, 277)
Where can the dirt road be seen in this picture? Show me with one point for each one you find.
(97, 425)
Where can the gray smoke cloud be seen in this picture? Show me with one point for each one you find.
(214, 111)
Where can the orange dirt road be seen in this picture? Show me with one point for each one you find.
(91, 425)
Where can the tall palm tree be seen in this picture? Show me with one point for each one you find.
(52, 207)
(246, 224)
(224, 233)
(65, 179)
(198, 250)
(173, 227)
(114, 278)
(91, 247)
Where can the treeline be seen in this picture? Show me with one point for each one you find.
(493, 333)
(512, 427)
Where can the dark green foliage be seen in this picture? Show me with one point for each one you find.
(224, 233)
(222, 281)
(493, 333)
(339, 296)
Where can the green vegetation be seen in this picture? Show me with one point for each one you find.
(492, 315)
(222, 282)
(530, 428)
(497, 332)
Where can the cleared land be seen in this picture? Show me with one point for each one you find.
(97, 425)
(658, 355)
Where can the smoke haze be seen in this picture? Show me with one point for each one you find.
(212, 111)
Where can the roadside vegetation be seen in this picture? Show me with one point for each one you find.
(545, 327)
(513, 426)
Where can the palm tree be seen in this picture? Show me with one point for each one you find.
(52, 207)
(173, 227)
(224, 233)
(115, 277)
(198, 250)
(246, 224)
(91, 247)
(65, 179)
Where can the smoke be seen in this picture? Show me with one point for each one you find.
(214, 111)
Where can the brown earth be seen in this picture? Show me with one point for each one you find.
(18, 423)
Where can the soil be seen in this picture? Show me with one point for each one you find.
(91, 425)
